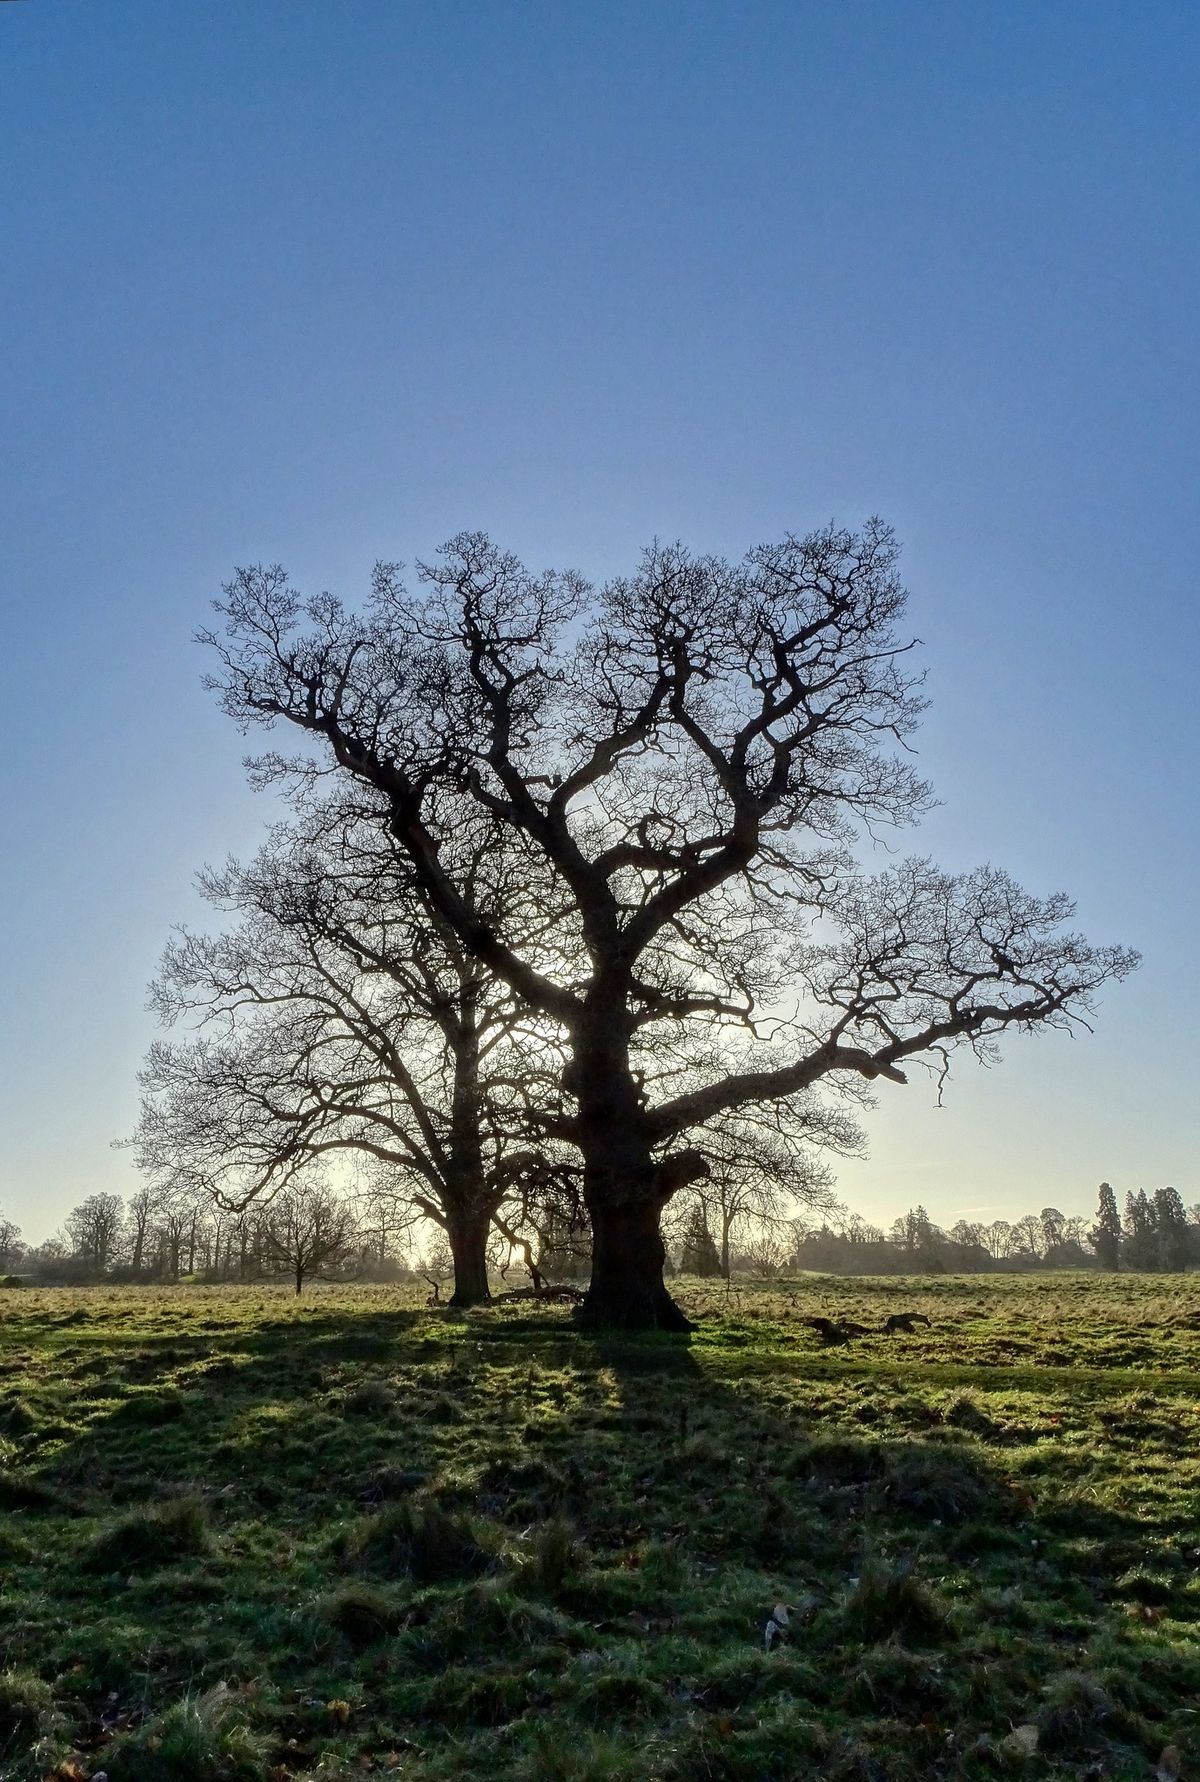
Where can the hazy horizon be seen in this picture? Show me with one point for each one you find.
(325, 285)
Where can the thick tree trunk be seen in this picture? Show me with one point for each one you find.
(467, 1231)
(299, 1277)
(624, 1188)
(627, 1290)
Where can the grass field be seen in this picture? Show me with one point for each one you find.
(244, 1537)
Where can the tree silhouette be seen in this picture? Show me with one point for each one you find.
(688, 760)
(1106, 1232)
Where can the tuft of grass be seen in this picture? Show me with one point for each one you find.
(19, 1491)
(1076, 1708)
(942, 1483)
(890, 1602)
(420, 1537)
(373, 1398)
(966, 1414)
(152, 1409)
(555, 1557)
(17, 1416)
(203, 1738)
(161, 1535)
(362, 1612)
(28, 1710)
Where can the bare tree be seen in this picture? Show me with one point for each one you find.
(997, 1239)
(1029, 1237)
(764, 1162)
(305, 1228)
(143, 1204)
(690, 757)
(340, 1014)
(11, 1247)
(93, 1229)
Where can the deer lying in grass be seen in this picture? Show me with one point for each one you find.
(844, 1329)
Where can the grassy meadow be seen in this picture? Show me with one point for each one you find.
(247, 1537)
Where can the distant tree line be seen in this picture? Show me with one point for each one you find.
(1158, 1233)
(724, 1229)
(305, 1230)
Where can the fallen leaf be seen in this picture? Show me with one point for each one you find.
(339, 1709)
(1169, 1764)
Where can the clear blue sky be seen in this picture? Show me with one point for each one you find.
(322, 282)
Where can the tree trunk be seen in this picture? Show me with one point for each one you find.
(467, 1232)
(299, 1277)
(467, 1202)
(627, 1290)
(625, 1190)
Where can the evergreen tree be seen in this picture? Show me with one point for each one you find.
(698, 1253)
(1139, 1231)
(1172, 1237)
(1106, 1232)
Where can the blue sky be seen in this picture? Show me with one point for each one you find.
(325, 282)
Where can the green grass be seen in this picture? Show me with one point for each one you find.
(252, 1540)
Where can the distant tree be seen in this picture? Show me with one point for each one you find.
(1173, 1240)
(93, 1230)
(11, 1247)
(49, 1259)
(437, 1265)
(1028, 1237)
(139, 1223)
(858, 1231)
(970, 1254)
(921, 1241)
(564, 1243)
(305, 1228)
(684, 759)
(1106, 1232)
(1053, 1224)
(764, 1254)
(386, 1218)
(1139, 1245)
(997, 1239)
(761, 1165)
(698, 1253)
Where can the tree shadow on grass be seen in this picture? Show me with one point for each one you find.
(617, 1518)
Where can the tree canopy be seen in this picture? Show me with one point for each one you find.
(688, 765)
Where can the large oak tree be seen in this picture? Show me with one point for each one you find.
(692, 757)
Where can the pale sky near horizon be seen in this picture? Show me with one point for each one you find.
(322, 283)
